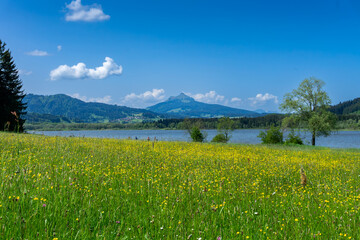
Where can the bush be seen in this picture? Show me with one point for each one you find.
(294, 139)
(196, 135)
(272, 136)
(220, 138)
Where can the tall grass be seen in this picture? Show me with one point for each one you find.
(83, 188)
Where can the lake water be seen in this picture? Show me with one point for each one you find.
(341, 139)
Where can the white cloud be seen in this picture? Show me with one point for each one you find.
(24, 72)
(105, 99)
(210, 97)
(261, 99)
(80, 70)
(236, 100)
(59, 47)
(37, 53)
(144, 99)
(85, 13)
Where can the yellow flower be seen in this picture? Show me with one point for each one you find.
(296, 220)
(36, 198)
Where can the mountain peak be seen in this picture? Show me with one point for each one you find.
(182, 97)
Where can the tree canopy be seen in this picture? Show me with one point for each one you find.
(308, 105)
(225, 126)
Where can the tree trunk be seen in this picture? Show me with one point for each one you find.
(313, 139)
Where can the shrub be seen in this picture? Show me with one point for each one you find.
(272, 136)
(196, 135)
(294, 139)
(220, 138)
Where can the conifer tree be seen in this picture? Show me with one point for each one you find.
(12, 107)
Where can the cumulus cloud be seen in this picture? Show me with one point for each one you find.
(210, 97)
(59, 47)
(80, 70)
(38, 53)
(144, 99)
(105, 99)
(261, 99)
(85, 13)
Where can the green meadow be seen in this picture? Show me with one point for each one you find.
(83, 188)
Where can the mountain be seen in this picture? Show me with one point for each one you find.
(261, 111)
(47, 118)
(63, 108)
(184, 106)
(346, 108)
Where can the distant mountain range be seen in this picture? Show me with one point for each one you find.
(63, 108)
(183, 106)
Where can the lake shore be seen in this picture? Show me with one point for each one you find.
(340, 139)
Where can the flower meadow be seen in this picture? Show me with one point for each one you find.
(84, 188)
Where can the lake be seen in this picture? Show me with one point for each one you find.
(341, 139)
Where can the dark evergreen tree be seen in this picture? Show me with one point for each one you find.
(12, 107)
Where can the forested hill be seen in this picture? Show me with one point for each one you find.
(183, 106)
(78, 111)
(346, 108)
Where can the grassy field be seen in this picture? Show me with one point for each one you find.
(82, 188)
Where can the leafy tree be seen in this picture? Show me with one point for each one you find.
(220, 138)
(196, 135)
(309, 105)
(11, 95)
(272, 136)
(225, 126)
(292, 138)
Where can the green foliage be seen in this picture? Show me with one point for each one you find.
(220, 138)
(51, 122)
(349, 123)
(196, 135)
(293, 139)
(272, 136)
(309, 105)
(12, 107)
(225, 126)
(348, 107)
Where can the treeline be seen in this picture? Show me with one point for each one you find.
(264, 122)
(346, 108)
(180, 124)
(349, 122)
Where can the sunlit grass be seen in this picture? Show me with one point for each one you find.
(83, 188)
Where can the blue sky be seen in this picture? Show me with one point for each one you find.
(244, 54)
